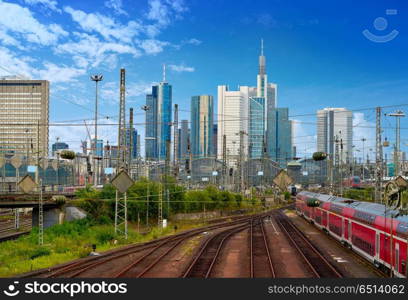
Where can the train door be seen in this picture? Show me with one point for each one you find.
(324, 217)
(345, 229)
(397, 258)
(377, 245)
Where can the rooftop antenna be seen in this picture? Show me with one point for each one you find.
(262, 48)
(164, 72)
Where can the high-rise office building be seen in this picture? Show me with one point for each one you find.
(256, 126)
(332, 123)
(214, 140)
(202, 112)
(58, 146)
(24, 111)
(279, 142)
(134, 134)
(158, 120)
(184, 138)
(232, 121)
(99, 147)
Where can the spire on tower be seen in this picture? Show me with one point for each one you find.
(164, 72)
(262, 48)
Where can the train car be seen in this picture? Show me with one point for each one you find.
(353, 182)
(377, 234)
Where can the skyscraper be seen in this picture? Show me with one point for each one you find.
(58, 146)
(184, 137)
(202, 112)
(151, 128)
(256, 126)
(279, 142)
(214, 140)
(132, 131)
(24, 106)
(158, 120)
(233, 119)
(332, 123)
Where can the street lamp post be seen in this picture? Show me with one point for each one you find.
(96, 78)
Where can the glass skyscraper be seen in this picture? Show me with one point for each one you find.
(202, 112)
(256, 126)
(279, 136)
(134, 134)
(158, 121)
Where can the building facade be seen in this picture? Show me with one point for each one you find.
(58, 146)
(335, 123)
(158, 121)
(232, 120)
(99, 147)
(202, 114)
(24, 116)
(132, 132)
(279, 142)
(256, 126)
(183, 140)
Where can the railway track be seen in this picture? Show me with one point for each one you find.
(203, 263)
(317, 263)
(164, 245)
(261, 265)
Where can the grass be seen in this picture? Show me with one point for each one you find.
(66, 242)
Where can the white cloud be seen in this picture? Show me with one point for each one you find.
(110, 90)
(304, 139)
(90, 50)
(362, 128)
(193, 41)
(116, 5)
(181, 68)
(56, 74)
(49, 4)
(19, 65)
(162, 12)
(14, 65)
(105, 26)
(153, 47)
(20, 21)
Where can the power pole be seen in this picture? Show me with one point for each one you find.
(378, 157)
(130, 156)
(121, 206)
(398, 114)
(167, 174)
(96, 78)
(341, 167)
(336, 163)
(39, 184)
(176, 144)
(241, 162)
(224, 160)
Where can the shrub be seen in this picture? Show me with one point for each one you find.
(40, 252)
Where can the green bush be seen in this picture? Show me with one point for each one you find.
(40, 252)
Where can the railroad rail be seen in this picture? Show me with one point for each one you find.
(317, 263)
(78, 267)
(260, 258)
(203, 263)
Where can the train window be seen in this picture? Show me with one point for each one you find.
(402, 227)
(336, 208)
(369, 218)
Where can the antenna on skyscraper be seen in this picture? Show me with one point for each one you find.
(262, 48)
(164, 72)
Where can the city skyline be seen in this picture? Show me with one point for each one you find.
(306, 69)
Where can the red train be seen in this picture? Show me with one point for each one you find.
(363, 226)
(353, 182)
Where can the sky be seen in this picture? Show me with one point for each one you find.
(315, 51)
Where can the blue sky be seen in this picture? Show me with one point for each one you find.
(315, 52)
